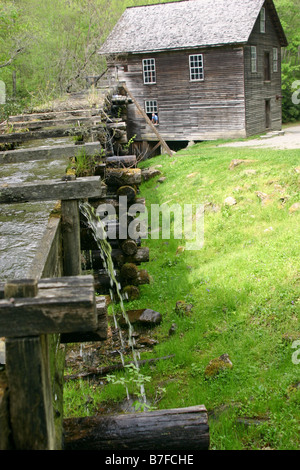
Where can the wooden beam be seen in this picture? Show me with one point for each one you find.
(100, 333)
(64, 305)
(70, 223)
(184, 429)
(79, 188)
(148, 121)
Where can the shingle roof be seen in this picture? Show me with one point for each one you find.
(184, 24)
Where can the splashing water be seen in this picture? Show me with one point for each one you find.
(98, 231)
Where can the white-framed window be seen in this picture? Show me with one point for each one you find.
(149, 71)
(253, 59)
(263, 20)
(275, 59)
(151, 107)
(196, 67)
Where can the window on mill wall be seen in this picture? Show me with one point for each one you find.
(149, 71)
(196, 67)
(263, 20)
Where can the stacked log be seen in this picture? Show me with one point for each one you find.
(122, 178)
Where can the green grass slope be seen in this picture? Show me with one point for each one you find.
(244, 289)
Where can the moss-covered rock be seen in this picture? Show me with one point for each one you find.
(217, 365)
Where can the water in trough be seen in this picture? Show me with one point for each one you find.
(22, 225)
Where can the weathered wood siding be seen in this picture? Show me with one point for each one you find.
(257, 90)
(190, 110)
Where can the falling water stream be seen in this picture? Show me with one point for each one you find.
(95, 224)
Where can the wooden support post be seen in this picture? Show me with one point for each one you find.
(5, 431)
(184, 429)
(31, 410)
(63, 305)
(148, 121)
(70, 220)
(28, 372)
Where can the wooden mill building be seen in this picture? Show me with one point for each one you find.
(209, 69)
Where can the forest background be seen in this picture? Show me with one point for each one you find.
(49, 47)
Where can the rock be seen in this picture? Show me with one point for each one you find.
(265, 198)
(150, 317)
(215, 366)
(162, 179)
(173, 329)
(249, 172)
(291, 337)
(179, 250)
(131, 292)
(145, 341)
(230, 201)
(237, 162)
(182, 308)
(210, 207)
(143, 316)
(294, 208)
(148, 173)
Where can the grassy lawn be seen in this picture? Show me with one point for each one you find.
(243, 286)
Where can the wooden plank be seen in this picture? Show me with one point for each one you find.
(48, 259)
(63, 305)
(51, 190)
(184, 429)
(148, 121)
(31, 411)
(70, 220)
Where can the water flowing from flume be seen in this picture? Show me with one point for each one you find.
(98, 231)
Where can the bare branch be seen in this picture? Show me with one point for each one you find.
(12, 58)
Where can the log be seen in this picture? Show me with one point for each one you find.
(129, 247)
(118, 177)
(92, 259)
(121, 161)
(51, 190)
(127, 191)
(129, 271)
(184, 429)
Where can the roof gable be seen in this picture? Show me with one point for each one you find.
(185, 25)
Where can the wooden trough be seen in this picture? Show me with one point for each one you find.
(32, 313)
(58, 305)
